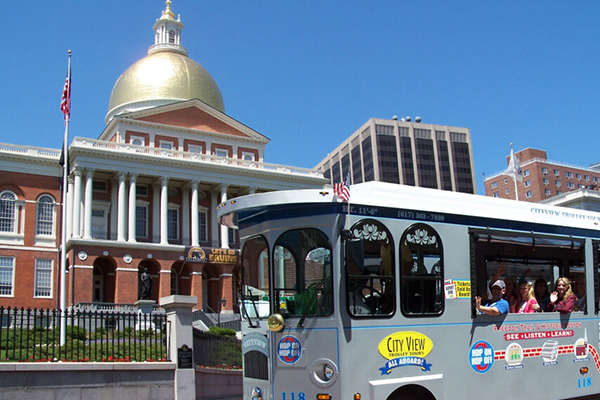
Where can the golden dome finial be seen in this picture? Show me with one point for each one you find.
(168, 13)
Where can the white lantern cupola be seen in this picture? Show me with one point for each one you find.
(167, 33)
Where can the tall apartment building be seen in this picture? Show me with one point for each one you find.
(142, 195)
(541, 178)
(405, 152)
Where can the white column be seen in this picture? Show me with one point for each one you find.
(224, 232)
(131, 211)
(164, 219)
(70, 197)
(214, 224)
(87, 222)
(121, 223)
(185, 216)
(156, 212)
(77, 171)
(194, 211)
(114, 208)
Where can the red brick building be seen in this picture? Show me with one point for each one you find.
(541, 178)
(142, 195)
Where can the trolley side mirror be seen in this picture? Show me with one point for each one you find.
(355, 256)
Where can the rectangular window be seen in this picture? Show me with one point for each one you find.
(578, 176)
(557, 183)
(221, 152)
(231, 235)
(586, 177)
(547, 192)
(505, 181)
(173, 223)
(141, 190)
(507, 191)
(196, 149)
(509, 255)
(496, 194)
(546, 181)
(141, 221)
(43, 278)
(166, 145)
(527, 183)
(528, 194)
(494, 185)
(556, 172)
(7, 274)
(526, 172)
(99, 186)
(202, 226)
(570, 185)
(544, 170)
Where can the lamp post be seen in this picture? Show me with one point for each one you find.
(222, 303)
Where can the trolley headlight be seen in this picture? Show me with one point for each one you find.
(275, 322)
(323, 372)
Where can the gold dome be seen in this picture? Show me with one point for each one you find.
(161, 78)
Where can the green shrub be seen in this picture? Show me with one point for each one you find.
(217, 330)
(76, 332)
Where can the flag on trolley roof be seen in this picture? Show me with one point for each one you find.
(342, 189)
(65, 102)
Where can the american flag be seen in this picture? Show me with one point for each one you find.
(342, 189)
(65, 102)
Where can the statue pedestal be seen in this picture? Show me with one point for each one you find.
(144, 317)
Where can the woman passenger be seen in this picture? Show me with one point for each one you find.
(511, 294)
(526, 302)
(562, 299)
(541, 293)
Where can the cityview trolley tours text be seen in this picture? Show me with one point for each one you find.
(375, 298)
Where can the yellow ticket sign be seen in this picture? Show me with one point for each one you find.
(463, 289)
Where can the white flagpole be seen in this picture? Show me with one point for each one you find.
(63, 246)
(514, 171)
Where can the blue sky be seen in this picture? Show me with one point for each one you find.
(308, 74)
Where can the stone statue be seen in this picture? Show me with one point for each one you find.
(146, 281)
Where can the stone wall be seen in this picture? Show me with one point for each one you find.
(218, 384)
(89, 381)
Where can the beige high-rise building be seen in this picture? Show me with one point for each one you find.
(405, 152)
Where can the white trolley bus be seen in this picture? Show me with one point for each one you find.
(374, 299)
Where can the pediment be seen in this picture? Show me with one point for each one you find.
(194, 114)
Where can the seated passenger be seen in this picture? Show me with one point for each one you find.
(562, 299)
(496, 305)
(541, 293)
(526, 302)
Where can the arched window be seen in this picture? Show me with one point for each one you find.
(422, 271)
(171, 36)
(45, 215)
(371, 286)
(8, 212)
(174, 282)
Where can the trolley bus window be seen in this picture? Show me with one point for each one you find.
(371, 282)
(422, 271)
(255, 279)
(303, 274)
(524, 256)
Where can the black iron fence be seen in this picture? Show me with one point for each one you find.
(211, 350)
(101, 336)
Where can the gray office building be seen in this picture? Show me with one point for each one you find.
(405, 152)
